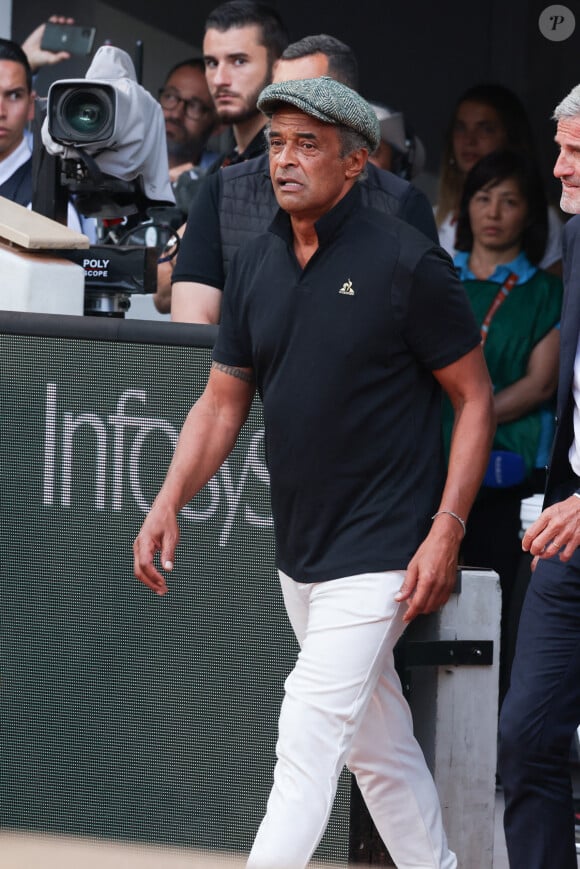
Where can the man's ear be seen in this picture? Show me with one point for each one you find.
(31, 105)
(356, 162)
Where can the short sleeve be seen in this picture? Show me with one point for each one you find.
(200, 258)
(439, 324)
(233, 343)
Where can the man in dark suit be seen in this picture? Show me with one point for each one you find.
(542, 708)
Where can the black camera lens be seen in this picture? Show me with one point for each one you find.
(85, 113)
(81, 115)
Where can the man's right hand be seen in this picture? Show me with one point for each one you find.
(556, 531)
(206, 439)
(159, 533)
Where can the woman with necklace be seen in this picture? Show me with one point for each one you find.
(501, 235)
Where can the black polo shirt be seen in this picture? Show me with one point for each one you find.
(342, 353)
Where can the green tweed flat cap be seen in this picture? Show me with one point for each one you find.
(326, 99)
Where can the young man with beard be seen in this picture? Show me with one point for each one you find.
(242, 41)
(190, 120)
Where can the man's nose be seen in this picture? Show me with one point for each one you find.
(562, 166)
(286, 154)
(470, 135)
(221, 74)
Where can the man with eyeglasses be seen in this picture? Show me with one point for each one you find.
(190, 120)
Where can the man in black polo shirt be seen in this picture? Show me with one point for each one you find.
(348, 322)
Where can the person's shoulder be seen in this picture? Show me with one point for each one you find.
(571, 248)
(380, 179)
(248, 181)
(398, 242)
(395, 195)
(404, 233)
(572, 228)
(549, 282)
(549, 278)
(250, 252)
(257, 166)
(209, 183)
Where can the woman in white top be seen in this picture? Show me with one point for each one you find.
(487, 117)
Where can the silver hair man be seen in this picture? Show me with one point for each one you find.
(567, 168)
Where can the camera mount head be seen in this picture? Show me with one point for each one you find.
(110, 135)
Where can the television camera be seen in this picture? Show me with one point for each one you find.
(105, 149)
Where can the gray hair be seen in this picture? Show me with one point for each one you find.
(570, 105)
(351, 141)
(342, 62)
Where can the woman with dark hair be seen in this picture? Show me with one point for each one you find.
(502, 229)
(486, 118)
(510, 180)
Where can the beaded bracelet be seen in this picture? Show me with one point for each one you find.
(455, 516)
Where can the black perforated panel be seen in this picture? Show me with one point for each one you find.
(124, 715)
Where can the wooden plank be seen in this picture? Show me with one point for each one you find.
(33, 231)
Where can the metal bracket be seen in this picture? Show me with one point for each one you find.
(458, 653)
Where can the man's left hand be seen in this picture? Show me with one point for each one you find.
(555, 531)
(38, 56)
(432, 572)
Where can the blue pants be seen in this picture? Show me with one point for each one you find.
(538, 720)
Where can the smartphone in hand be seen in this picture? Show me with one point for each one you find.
(74, 38)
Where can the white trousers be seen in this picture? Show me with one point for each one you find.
(343, 704)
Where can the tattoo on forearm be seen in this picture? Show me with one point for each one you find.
(240, 373)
